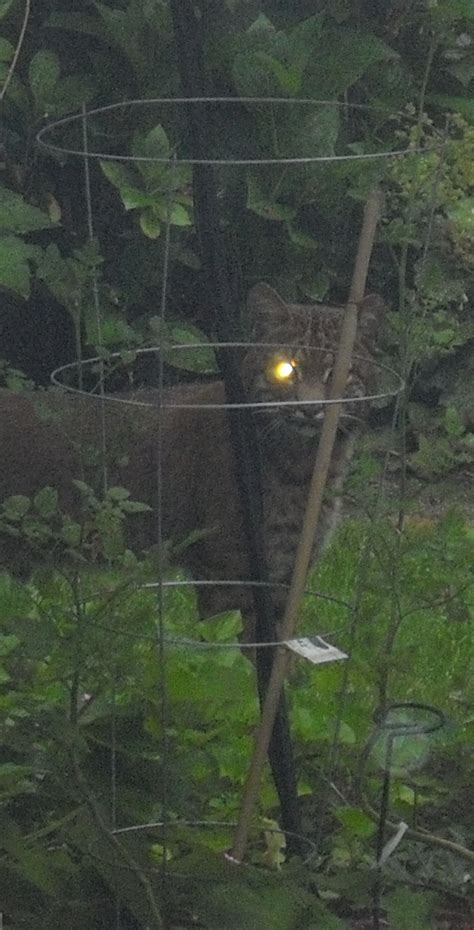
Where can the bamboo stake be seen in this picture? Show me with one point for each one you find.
(315, 497)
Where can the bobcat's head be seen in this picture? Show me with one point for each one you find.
(299, 369)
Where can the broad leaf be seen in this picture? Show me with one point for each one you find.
(18, 216)
(448, 12)
(123, 179)
(264, 204)
(150, 224)
(463, 216)
(179, 215)
(16, 506)
(6, 50)
(15, 270)
(356, 821)
(407, 909)
(462, 105)
(303, 41)
(343, 57)
(200, 359)
(463, 70)
(154, 145)
(118, 494)
(70, 93)
(43, 75)
(46, 502)
(4, 7)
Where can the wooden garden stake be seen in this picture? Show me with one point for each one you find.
(315, 497)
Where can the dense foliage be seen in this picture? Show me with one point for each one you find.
(92, 736)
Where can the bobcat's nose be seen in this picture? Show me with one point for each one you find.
(313, 411)
(310, 412)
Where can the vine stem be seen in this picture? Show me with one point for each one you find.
(16, 55)
(305, 546)
(406, 354)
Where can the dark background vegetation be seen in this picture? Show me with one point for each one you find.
(297, 229)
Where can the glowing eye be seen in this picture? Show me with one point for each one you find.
(283, 370)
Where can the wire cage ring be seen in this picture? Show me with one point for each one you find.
(203, 103)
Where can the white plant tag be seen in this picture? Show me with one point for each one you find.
(315, 649)
(393, 843)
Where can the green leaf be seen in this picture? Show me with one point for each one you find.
(117, 494)
(463, 215)
(150, 225)
(287, 80)
(316, 286)
(264, 204)
(262, 26)
(133, 198)
(463, 70)
(462, 105)
(409, 909)
(12, 769)
(407, 795)
(46, 502)
(43, 74)
(16, 506)
(116, 23)
(179, 215)
(117, 173)
(302, 239)
(154, 145)
(135, 507)
(7, 645)
(453, 422)
(355, 821)
(6, 50)
(71, 533)
(304, 40)
(83, 488)
(257, 72)
(448, 12)
(343, 57)
(18, 216)
(109, 525)
(70, 93)
(123, 179)
(200, 359)
(4, 7)
(15, 271)
(346, 734)
(113, 330)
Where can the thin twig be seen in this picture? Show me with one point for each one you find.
(14, 60)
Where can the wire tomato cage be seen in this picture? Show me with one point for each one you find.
(274, 120)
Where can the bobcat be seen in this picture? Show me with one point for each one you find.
(198, 484)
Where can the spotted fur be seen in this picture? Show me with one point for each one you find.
(288, 435)
(199, 487)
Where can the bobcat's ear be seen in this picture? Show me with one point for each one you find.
(266, 311)
(371, 312)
